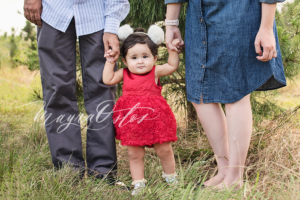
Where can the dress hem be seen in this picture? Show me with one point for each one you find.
(242, 96)
(147, 144)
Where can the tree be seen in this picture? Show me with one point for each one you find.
(30, 34)
(5, 35)
(32, 59)
(12, 45)
(288, 23)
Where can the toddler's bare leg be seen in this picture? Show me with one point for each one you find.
(166, 155)
(136, 156)
(213, 121)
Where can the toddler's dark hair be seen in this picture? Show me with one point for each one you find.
(138, 38)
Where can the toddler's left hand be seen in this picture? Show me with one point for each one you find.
(108, 56)
(175, 43)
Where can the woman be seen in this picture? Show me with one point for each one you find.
(232, 49)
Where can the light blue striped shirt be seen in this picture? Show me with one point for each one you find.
(90, 15)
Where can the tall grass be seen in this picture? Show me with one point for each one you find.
(26, 172)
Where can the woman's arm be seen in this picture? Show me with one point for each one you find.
(110, 77)
(265, 36)
(173, 11)
(171, 66)
(173, 32)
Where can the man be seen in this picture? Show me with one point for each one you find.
(96, 24)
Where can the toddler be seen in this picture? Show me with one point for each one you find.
(141, 115)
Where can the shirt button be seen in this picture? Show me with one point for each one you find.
(203, 66)
(203, 42)
(201, 19)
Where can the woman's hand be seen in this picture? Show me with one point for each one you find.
(175, 42)
(173, 62)
(172, 33)
(265, 39)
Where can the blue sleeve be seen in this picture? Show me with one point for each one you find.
(175, 1)
(115, 12)
(270, 1)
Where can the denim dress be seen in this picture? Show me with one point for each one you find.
(221, 62)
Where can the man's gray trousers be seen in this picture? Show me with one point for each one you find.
(57, 55)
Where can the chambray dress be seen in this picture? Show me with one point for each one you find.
(221, 60)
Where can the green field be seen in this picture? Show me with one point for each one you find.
(26, 170)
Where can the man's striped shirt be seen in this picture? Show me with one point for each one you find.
(90, 15)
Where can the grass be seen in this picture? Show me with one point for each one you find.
(289, 96)
(26, 171)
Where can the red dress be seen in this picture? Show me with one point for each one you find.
(142, 117)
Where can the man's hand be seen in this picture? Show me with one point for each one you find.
(33, 11)
(111, 40)
(173, 32)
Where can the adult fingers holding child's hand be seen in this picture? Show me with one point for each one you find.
(108, 56)
(110, 59)
(110, 53)
(181, 46)
(111, 41)
(173, 32)
(176, 43)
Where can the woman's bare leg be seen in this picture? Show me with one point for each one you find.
(239, 123)
(213, 121)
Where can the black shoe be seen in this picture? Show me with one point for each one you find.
(79, 172)
(200, 185)
(110, 179)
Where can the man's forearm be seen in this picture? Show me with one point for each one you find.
(268, 14)
(115, 12)
(173, 11)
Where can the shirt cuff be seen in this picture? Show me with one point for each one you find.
(112, 25)
(175, 1)
(271, 1)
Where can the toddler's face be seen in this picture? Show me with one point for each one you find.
(139, 59)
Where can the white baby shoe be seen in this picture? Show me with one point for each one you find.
(170, 178)
(139, 185)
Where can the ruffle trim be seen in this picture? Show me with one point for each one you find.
(147, 143)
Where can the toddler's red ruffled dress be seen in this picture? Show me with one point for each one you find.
(142, 116)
